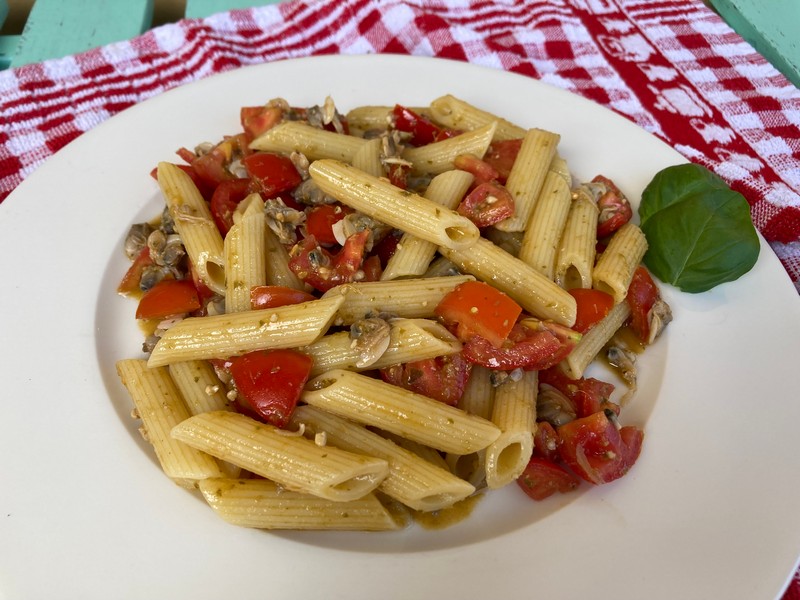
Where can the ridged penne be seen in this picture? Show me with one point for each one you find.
(408, 298)
(283, 457)
(439, 157)
(263, 504)
(616, 265)
(593, 341)
(314, 143)
(458, 114)
(221, 336)
(195, 225)
(245, 255)
(405, 413)
(160, 406)
(533, 291)
(388, 204)
(576, 253)
(411, 480)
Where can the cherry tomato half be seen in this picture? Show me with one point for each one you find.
(167, 298)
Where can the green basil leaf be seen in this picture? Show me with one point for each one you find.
(699, 231)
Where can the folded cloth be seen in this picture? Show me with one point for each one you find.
(673, 67)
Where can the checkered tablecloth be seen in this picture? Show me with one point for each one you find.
(673, 67)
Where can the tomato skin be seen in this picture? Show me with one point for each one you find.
(423, 131)
(225, 199)
(270, 382)
(258, 119)
(321, 219)
(272, 173)
(479, 309)
(615, 210)
(546, 441)
(481, 170)
(592, 305)
(588, 395)
(501, 156)
(443, 378)
(167, 298)
(130, 281)
(542, 478)
(272, 296)
(487, 204)
(594, 449)
(642, 295)
(533, 347)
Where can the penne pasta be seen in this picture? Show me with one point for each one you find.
(221, 336)
(409, 340)
(413, 416)
(411, 480)
(439, 157)
(245, 255)
(263, 504)
(458, 114)
(290, 460)
(593, 341)
(160, 406)
(313, 143)
(615, 266)
(408, 298)
(388, 204)
(576, 253)
(195, 225)
(532, 290)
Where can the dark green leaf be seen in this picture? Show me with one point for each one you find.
(699, 230)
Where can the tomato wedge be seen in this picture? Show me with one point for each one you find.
(588, 395)
(225, 199)
(321, 219)
(322, 270)
(167, 298)
(272, 296)
(487, 204)
(130, 281)
(258, 119)
(501, 156)
(642, 295)
(595, 450)
(272, 173)
(592, 305)
(443, 378)
(542, 478)
(423, 131)
(481, 170)
(269, 382)
(476, 308)
(545, 441)
(532, 345)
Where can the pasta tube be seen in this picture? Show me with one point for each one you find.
(290, 460)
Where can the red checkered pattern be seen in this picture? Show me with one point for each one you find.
(672, 66)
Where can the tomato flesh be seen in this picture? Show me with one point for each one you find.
(545, 441)
(322, 270)
(642, 295)
(167, 298)
(443, 378)
(269, 382)
(592, 306)
(588, 395)
(321, 219)
(501, 156)
(130, 281)
(487, 204)
(423, 131)
(225, 199)
(615, 210)
(477, 308)
(542, 478)
(272, 173)
(258, 119)
(481, 170)
(594, 449)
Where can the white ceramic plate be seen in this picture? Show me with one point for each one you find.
(710, 510)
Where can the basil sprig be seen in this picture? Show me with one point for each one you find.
(699, 231)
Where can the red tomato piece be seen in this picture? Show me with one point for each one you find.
(372, 268)
(501, 156)
(588, 395)
(167, 298)
(480, 169)
(615, 210)
(210, 167)
(321, 219)
(130, 281)
(398, 175)
(593, 305)
(269, 382)
(272, 296)
(542, 478)
(442, 378)
(224, 201)
(258, 119)
(487, 204)
(477, 308)
(632, 437)
(545, 441)
(642, 295)
(595, 450)
(272, 173)
(322, 270)
(423, 131)
(532, 345)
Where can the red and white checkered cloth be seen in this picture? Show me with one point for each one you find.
(673, 67)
